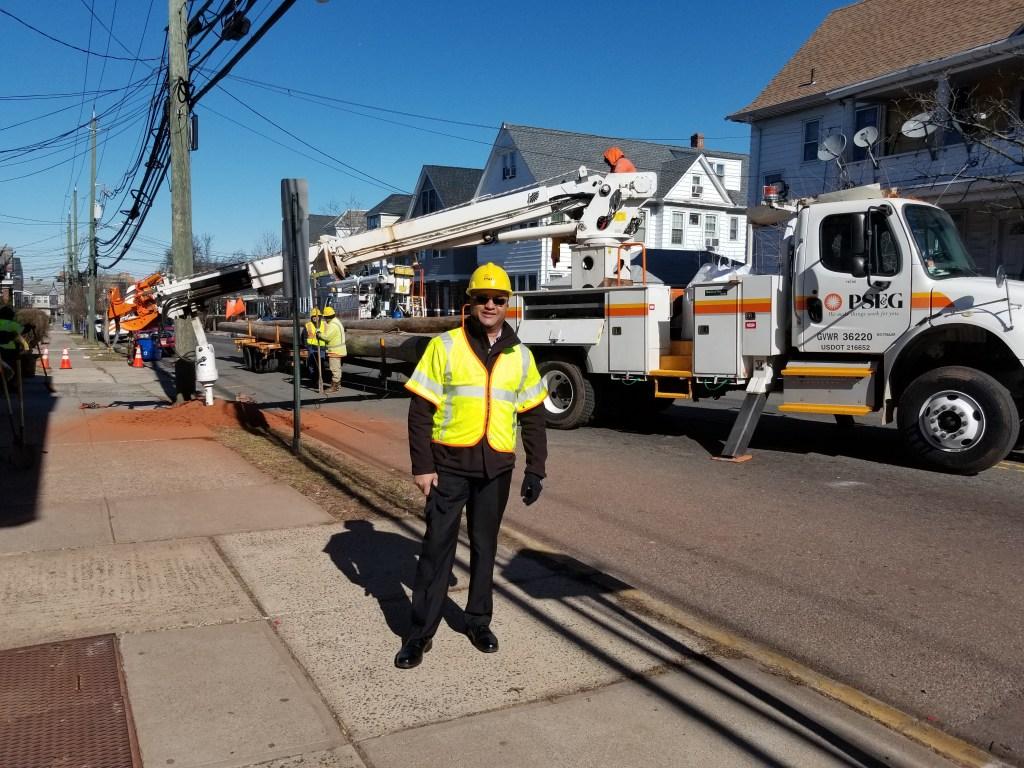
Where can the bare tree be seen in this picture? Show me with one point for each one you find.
(268, 245)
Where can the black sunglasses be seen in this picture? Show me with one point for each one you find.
(499, 301)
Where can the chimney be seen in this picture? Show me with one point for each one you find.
(697, 141)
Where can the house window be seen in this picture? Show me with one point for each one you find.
(812, 132)
(720, 170)
(710, 230)
(677, 228)
(862, 118)
(734, 227)
(694, 219)
(557, 218)
(508, 165)
(531, 282)
(697, 189)
(429, 201)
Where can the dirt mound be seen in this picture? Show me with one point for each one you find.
(192, 413)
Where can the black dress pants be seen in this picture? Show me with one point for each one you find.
(485, 501)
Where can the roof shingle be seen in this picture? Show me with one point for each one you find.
(872, 38)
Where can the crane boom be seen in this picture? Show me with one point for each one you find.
(600, 209)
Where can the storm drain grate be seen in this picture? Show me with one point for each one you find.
(64, 704)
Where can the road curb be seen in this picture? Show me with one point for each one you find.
(944, 744)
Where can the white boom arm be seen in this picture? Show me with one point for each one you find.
(601, 210)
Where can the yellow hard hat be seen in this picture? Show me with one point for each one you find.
(328, 312)
(315, 312)
(489, 277)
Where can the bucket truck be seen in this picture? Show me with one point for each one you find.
(878, 312)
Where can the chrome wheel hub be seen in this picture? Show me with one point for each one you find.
(560, 392)
(952, 421)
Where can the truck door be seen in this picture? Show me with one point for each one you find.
(853, 281)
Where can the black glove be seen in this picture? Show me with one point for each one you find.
(531, 489)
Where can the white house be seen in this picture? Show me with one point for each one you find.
(938, 88)
(698, 208)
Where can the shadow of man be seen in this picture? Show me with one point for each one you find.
(384, 565)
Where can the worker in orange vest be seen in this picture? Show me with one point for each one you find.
(617, 161)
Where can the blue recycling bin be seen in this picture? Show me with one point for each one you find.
(150, 348)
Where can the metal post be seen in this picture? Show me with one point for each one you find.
(90, 322)
(74, 248)
(295, 247)
(178, 114)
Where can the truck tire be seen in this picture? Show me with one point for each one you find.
(247, 359)
(570, 402)
(958, 420)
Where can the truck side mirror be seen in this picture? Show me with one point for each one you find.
(859, 266)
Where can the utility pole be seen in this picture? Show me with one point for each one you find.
(74, 249)
(90, 320)
(178, 114)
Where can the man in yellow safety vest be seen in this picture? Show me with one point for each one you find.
(315, 345)
(333, 336)
(472, 390)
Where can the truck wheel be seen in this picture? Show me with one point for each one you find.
(247, 358)
(570, 401)
(958, 419)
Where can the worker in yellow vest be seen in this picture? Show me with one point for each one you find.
(315, 345)
(472, 391)
(333, 336)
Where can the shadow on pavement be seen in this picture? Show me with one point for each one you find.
(21, 459)
(383, 563)
(709, 427)
(583, 583)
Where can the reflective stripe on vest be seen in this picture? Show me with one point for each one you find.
(470, 402)
(312, 331)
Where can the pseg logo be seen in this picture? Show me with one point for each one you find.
(833, 302)
(877, 301)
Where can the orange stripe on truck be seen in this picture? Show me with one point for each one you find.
(933, 301)
(626, 310)
(731, 306)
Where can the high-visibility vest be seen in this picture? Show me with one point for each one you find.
(334, 338)
(10, 330)
(312, 330)
(470, 402)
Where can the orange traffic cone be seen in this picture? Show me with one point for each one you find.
(44, 359)
(65, 361)
(137, 362)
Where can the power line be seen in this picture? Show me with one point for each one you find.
(69, 45)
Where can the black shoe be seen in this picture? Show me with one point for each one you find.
(483, 639)
(412, 652)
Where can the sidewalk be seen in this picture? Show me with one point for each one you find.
(255, 629)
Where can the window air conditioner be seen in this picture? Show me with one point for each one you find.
(711, 242)
(697, 191)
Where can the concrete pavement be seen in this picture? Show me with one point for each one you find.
(257, 630)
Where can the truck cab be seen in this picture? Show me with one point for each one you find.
(889, 315)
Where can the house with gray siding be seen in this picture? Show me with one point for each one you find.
(445, 271)
(698, 208)
(903, 69)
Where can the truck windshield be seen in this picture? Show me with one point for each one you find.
(942, 251)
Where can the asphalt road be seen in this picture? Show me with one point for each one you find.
(828, 547)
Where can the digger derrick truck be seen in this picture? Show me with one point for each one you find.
(878, 311)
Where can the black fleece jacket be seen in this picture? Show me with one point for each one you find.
(479, 460)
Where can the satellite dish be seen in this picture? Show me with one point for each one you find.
(919, 126)
(866, 137)
(832, 147)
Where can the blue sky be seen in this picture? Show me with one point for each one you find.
(658, 71)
